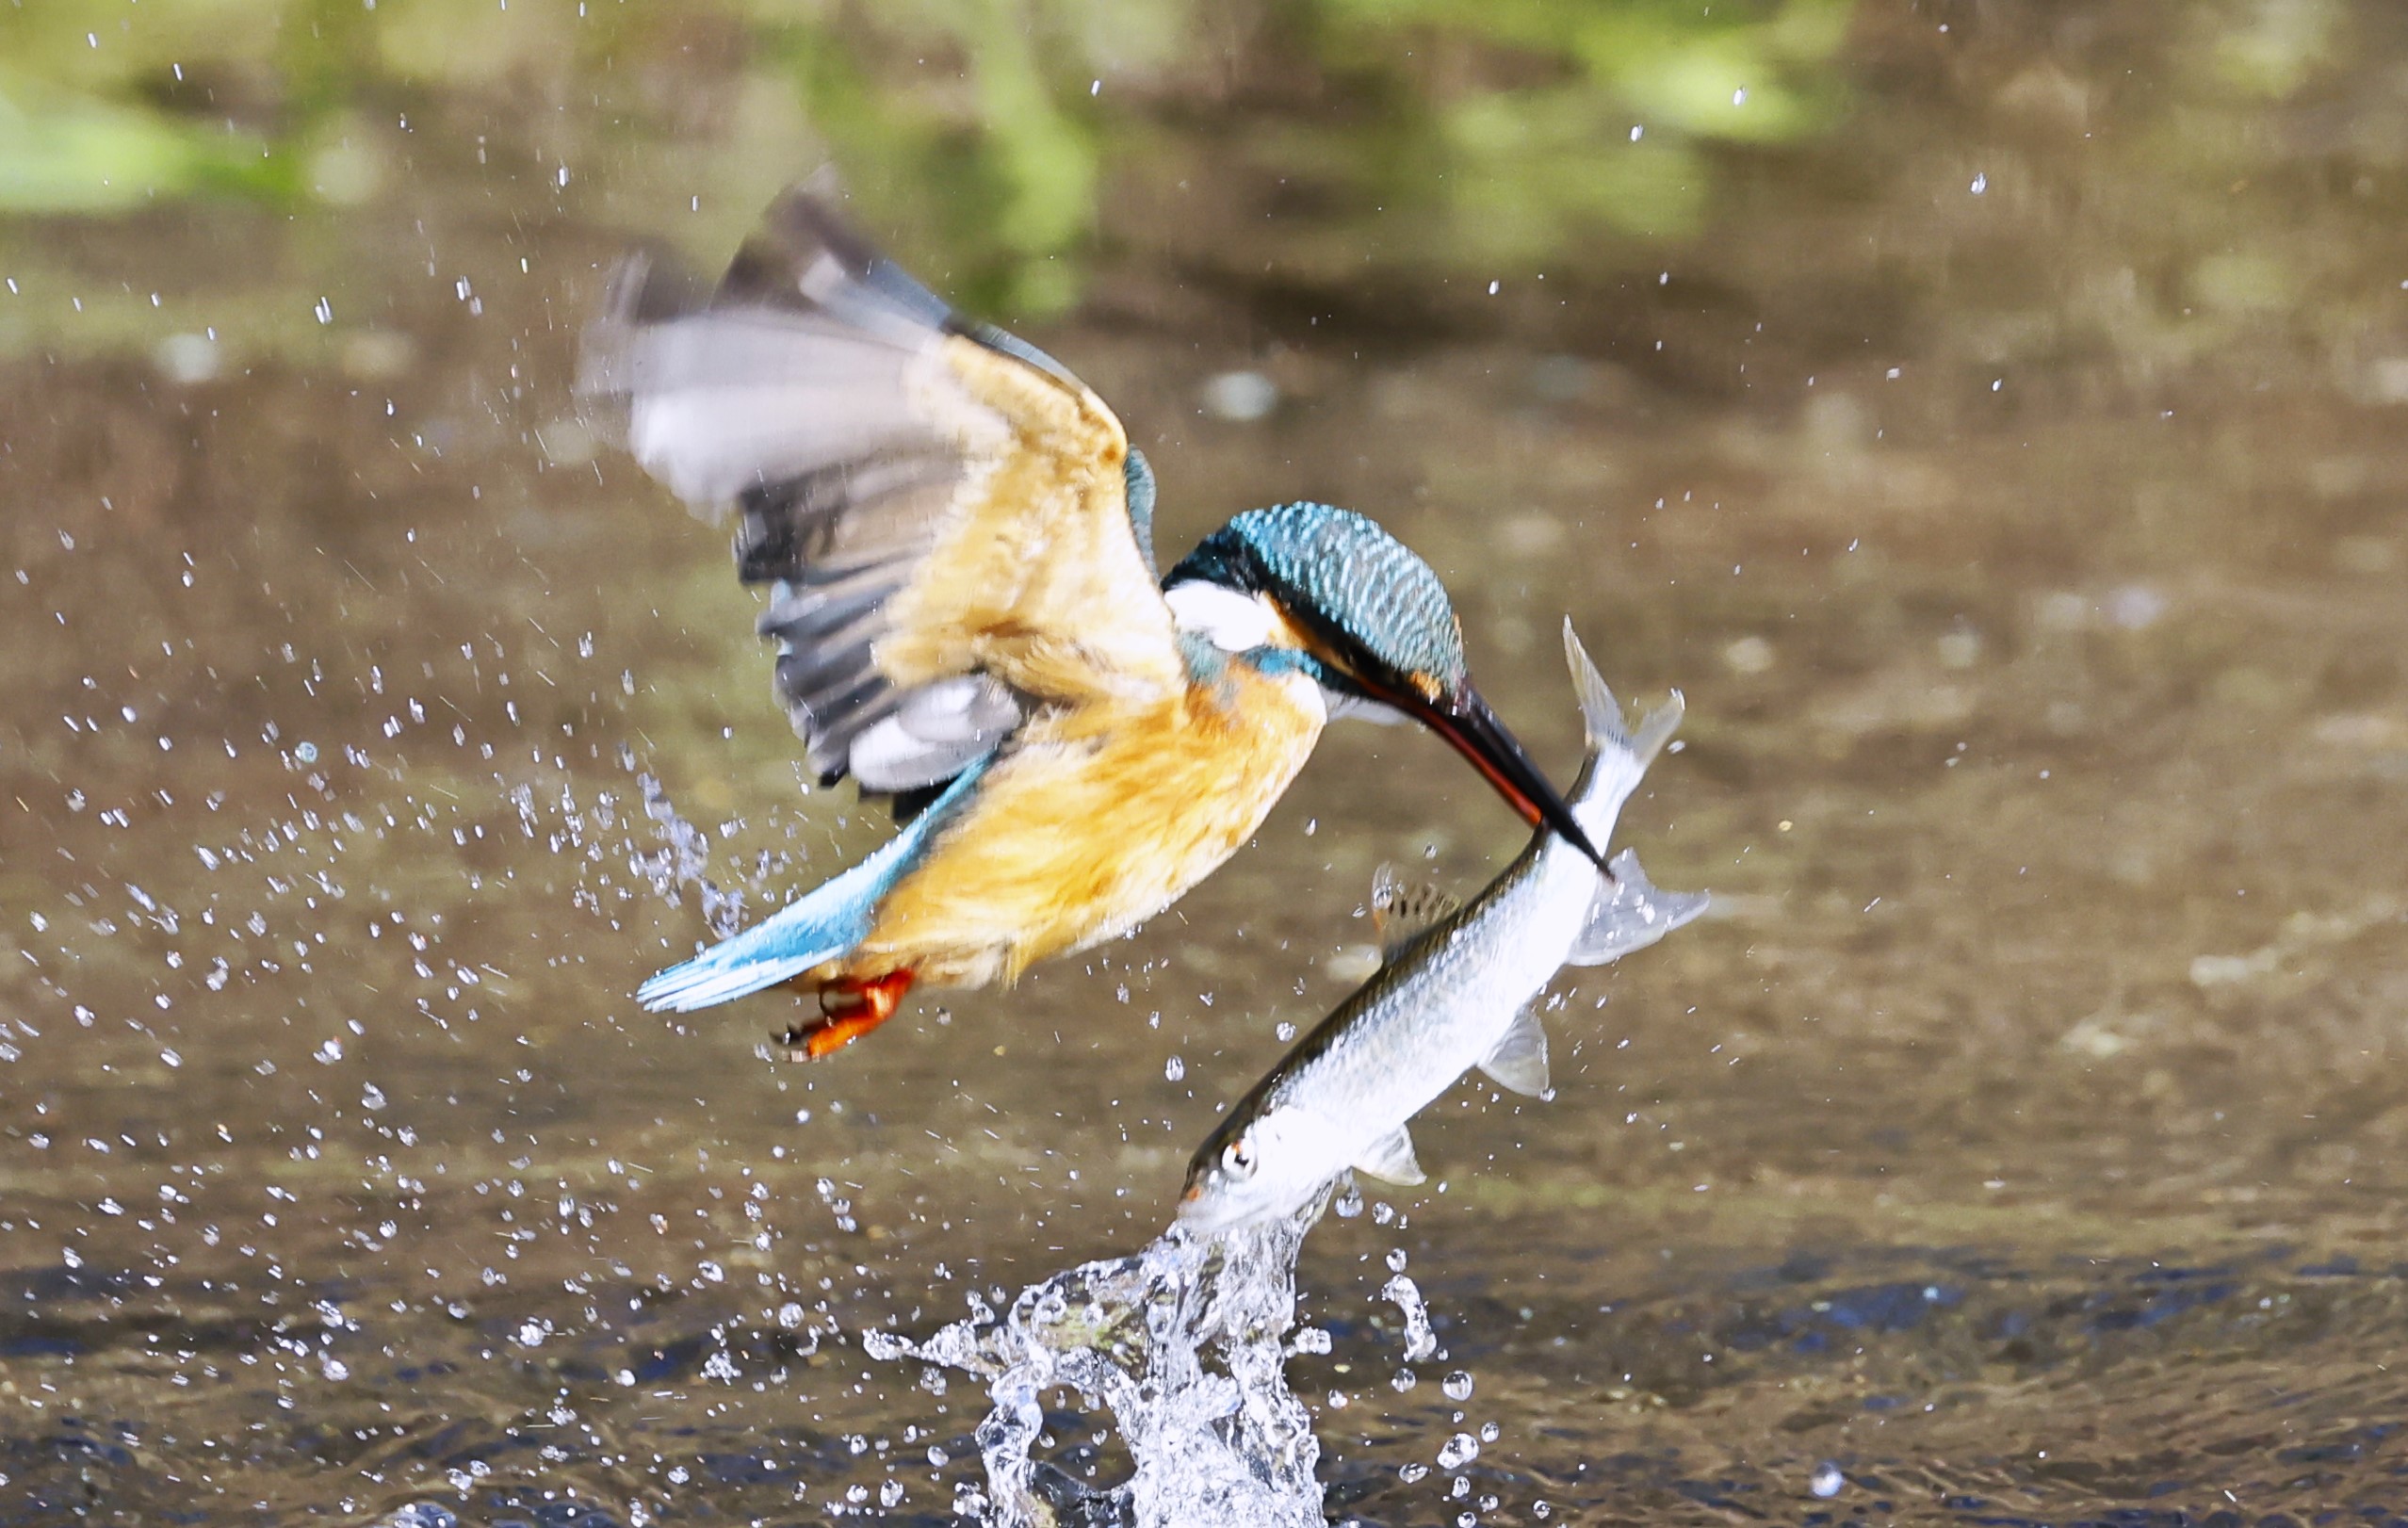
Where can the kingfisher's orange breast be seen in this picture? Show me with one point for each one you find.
(1091, 824)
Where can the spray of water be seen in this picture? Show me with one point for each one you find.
(683, 859)
(1184, 1345)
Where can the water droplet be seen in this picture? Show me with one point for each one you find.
(1828, 1481)
(1420, 1342)
(1457, 1385)
(1175, 1068)
(1240, 397)
(1459, 1451)
(1748, 655)
(187, 358)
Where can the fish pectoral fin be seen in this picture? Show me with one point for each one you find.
(1389, 1159)
(1520, 1060)
(1403, 911)
(1630, 913)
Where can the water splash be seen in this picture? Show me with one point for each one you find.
(1184, 1345)
(1420, 1342)
(684, 860)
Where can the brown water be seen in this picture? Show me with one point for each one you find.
(2023, 1137)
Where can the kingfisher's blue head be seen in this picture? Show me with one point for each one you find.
(1329, 591)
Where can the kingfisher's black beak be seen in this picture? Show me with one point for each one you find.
(1464, 721)
(1456, 712)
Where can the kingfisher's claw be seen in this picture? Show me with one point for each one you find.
(849, 1007)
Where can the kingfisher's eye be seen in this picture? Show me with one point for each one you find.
(1237, 1158)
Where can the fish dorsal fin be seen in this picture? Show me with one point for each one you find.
(1520, 1060)
(1403, 911)
(1390, 1159)
(1630, 913)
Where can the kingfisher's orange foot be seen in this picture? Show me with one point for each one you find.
(849, 1007)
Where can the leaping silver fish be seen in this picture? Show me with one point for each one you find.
(1451, 996)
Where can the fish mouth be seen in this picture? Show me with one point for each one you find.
(1472, 729)
(1209, 1215)
(1207, 1219)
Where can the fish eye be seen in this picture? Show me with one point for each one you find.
(1237, 1158)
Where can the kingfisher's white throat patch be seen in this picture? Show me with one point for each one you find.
(1230, 621)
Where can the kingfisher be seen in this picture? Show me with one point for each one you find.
(957, 540)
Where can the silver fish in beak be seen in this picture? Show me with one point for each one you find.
(1453, 996)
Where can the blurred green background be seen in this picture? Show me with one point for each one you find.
(1329, 155)
(1492, 131)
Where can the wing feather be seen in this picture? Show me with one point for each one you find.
(942, 513)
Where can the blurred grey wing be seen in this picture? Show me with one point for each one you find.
(807, 390)
(834, 545)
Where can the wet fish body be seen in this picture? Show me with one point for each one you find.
(1450, 998)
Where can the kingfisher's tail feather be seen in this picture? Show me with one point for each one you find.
(761, 957)
(821, 925)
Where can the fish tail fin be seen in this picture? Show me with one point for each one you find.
(1630, 913)
(1599, 711)
(1618, 752)
(1609, 731)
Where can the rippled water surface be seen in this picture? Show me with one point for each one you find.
(2009, 471)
